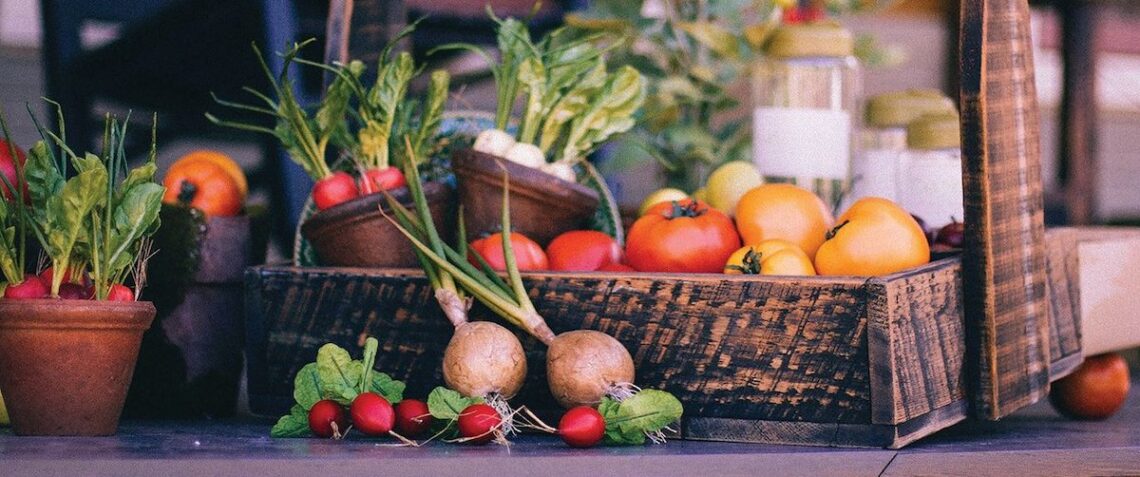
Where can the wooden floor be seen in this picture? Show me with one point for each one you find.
(1035, 441)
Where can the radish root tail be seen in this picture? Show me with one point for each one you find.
(506, 413)
(621, 391)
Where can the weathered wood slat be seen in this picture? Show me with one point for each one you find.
(917, 343)
(1063, 289)
(1003, 261)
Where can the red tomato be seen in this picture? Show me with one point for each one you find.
(376, 180)
(616, 267)
(528, 254)
(582, 251)
(681, 236)
(334, 189)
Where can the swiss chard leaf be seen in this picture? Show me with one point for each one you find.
(307, 386)
(649, 410)
(294, 424)
(339, 374)
(445, 404)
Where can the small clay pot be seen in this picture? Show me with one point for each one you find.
(542, 206)
(356, 234)
(65, 365)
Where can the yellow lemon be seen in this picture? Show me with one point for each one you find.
(729, 182)
(660, 195)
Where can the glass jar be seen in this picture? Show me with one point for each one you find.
(804, 94)
(930, 172)
(875, 168)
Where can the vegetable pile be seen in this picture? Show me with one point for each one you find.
(570, 102)
(364, 124)
(92, 225)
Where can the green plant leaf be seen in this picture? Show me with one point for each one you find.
(649, 410)
(384, 385)
(307, 386)
(68, 211)
(338, 373)
(715, 37)
(445, 404)
(294, 424)
(615, 434)
(134, 217)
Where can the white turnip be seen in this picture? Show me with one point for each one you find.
(494, 141)
(526, 154)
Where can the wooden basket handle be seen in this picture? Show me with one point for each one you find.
(1003, 269)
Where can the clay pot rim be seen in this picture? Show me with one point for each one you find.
(363, 208)
(528, 181)
(55, 313)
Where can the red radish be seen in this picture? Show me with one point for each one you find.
(68, 277)
(30, 288)
(372, 414)
(75, 291)
(479, 423)
(8, 168)
(376, 180)
(334, 189)
(120, 292)
(412, 418)
(582, 426)
(327, 419)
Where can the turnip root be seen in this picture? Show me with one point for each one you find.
(526, 154)
(484, 359)
(560, 170)
(494, 141)
(584, 366)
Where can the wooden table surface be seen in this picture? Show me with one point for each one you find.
(1035, 441)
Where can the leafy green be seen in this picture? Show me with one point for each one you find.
(294, 424)
(647, 412)
(611, 112)
(307, 386)
(336, 376)
(445, 404)
(378, 110)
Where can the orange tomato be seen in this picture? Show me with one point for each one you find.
(231, 167)
(874, 237)
(783, 211)
(770, 257)
(203, 185)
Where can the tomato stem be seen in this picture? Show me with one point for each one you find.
(831, 233)
(750, 264)
(186, 192)
(686, 209)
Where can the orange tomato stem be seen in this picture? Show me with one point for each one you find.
(186, 192)
(831, 233)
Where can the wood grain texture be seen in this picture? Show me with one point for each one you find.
(1004, 261)
(917, 342)
(775, 349)
(1063, 289)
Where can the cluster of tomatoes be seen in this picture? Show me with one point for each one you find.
(775, 229)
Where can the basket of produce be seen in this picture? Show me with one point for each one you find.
(783, 323)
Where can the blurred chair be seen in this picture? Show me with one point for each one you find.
(166, 58)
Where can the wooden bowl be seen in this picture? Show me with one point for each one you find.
(356, 234)
(542, 206)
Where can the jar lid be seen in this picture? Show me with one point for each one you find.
(814, 39)
(934, 131)
(897, 108)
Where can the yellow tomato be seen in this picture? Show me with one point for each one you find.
(667, 194)
(729, 182)
(783, 211)
(874, 237)
(770, 257)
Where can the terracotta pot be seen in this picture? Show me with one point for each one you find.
(67, 363)
(356, 234)
(542, 206)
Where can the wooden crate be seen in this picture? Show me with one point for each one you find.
(827, 361)
(843, 361)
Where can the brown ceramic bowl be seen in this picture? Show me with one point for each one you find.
(542, 206)
(65, 365)
(356, 234)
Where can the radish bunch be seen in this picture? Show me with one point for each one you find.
(324, 388)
